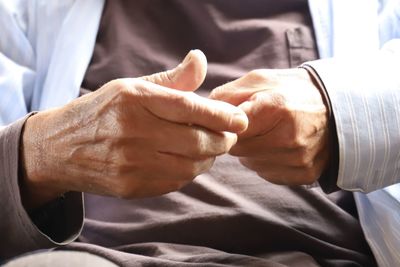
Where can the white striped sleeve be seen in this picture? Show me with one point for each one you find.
(365, 98)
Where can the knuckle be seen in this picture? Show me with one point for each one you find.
(198, 143)
(122, 95)
(189, 171)
(127, 88)
(118, 84)
(119, 124)
(294, 137)
(295, 142)
(196, 167)
(302, 158)
(138, 88)
(119, 163)
(310, 175)
(180, 99)
(123, 189)
(306, 162)
(227, 143)
(258, 75)
(275, 104)
(280, 101)
(116, 170)
(205, 165)
(204, 143)
(125, 139)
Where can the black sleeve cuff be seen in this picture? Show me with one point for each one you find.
(54, 218)
(328, 179)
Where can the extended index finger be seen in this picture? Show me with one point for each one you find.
(190, 108)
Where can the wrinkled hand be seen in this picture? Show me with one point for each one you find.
(131, 138)
(286, 141)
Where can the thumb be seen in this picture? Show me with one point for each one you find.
(187, 76)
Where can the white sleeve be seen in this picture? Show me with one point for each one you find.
(17, 60)
(364, 93)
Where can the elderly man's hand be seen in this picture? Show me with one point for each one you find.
(287, 138)
(131, 138)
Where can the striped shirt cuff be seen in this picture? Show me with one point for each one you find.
(365, 101)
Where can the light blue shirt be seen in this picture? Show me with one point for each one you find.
(45, 49)
(363, 85)
(42, 66)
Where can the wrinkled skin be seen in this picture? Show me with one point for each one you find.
(287, 139)
(131, 138)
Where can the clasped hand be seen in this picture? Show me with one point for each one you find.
(152, 135)
(286, 141)
(131, 138)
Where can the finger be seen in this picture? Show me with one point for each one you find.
(190, 108)
(187, 76)
(256, 147)
(164, 166)
(240, 90)
(273, 142)
(193, 142)
(274, 150)
(163, 174)
(286, 175)
(185, 140)
(184, 168)
(265, 111)
(289, 157)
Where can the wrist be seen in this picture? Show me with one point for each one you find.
(329, 176)
(36, 185)
(318, 83)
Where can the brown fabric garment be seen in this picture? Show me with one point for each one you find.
(13, 216)
(228, 216)
(138, 38)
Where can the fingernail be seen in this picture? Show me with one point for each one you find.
(243, 121)
(187, 59)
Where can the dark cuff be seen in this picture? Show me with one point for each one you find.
(60, 219)
(328, 179)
